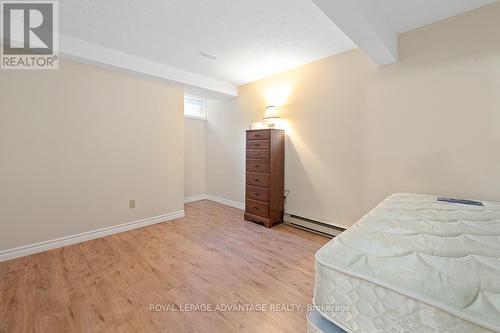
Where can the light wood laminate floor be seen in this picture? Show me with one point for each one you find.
(212, 256)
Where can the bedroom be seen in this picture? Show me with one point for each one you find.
(128, 174)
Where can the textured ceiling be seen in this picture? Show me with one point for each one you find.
(243, 40)
(250, 38)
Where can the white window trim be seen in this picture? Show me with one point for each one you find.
(204, 117)
(194, 117)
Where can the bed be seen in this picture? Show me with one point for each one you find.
(412, 264)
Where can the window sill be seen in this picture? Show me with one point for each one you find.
(197, 118)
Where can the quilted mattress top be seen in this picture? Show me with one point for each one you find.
(444, 254)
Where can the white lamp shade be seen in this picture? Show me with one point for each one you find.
(271, 112)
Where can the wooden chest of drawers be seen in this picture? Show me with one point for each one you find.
(264, 193)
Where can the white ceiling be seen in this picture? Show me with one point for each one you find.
(251, 39)
(405, 15)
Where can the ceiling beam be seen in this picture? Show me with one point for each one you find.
(82, 51)
(363, 22)
(86, 52)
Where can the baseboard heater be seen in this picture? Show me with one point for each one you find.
(312, 225)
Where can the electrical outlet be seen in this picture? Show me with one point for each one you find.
(131, 203)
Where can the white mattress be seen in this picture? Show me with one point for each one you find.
(414, 264)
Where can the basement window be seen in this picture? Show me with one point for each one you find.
(195, 107)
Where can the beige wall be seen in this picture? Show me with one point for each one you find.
(195, 157)
(226, 124)
(357, 132)
(78, 143)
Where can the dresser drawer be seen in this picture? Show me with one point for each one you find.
(258, 165)
(258, 135)
(258, 153)
(257, 208)
(257, 179)
(258, 144)
(257, 193)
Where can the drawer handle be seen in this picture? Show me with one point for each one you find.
(256, 180)
(257, 166)
(257, 145)
(257, 194)
(256, 207)
(257, 135)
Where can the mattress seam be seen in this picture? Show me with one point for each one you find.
(411, 294)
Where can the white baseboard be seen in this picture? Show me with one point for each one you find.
(85, 236)
(213, 198)
(196, 198)
(226, 202)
